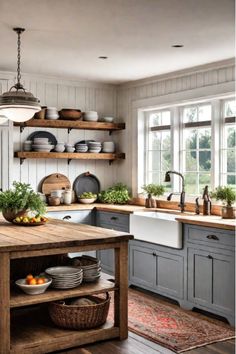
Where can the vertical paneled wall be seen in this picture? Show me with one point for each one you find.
(63, 94)
(201, 79)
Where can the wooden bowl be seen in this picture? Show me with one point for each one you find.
(70, 114)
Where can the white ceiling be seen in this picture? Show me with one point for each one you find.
(65, 37)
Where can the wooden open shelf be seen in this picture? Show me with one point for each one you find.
(20, 299)
(69, 156)
(32, 331)
(68, 124)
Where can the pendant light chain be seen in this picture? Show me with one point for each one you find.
(18, 60)
(18, 85)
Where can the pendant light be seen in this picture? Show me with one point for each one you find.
(17, 104)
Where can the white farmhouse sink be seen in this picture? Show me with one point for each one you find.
(159, 228)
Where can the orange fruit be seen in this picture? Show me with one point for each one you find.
(40, 281)
(33, 281)
(28, 278)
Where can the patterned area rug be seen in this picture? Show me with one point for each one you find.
(170, 326)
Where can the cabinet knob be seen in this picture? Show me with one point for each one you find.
(114, 218)
(154, 254)
(212, 237)
(209, 256)
(67, 217)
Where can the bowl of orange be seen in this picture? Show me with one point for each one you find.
(34, 285)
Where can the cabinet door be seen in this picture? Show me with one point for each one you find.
(211, 280)
(80, 216)
(142, 266)
(114, 221)
(169, 274)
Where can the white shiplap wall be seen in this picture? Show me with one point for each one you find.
(203, 81)
(60, 94)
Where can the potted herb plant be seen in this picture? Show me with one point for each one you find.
(227, 195)
(20, 200)
(152, 190)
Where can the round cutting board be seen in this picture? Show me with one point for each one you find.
(55, 181)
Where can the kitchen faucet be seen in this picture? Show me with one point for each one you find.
(182, 193)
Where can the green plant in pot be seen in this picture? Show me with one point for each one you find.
(227, 195)
(19, 201)
(152, 190)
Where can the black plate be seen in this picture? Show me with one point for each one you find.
(86, 182)
(43, 134)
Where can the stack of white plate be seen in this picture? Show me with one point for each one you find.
(42, 145)
(81, 147)
(91, 116)
(64, 277)
(94, 146)
(91, 267)
(108, 146)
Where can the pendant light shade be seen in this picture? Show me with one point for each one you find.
(17, 104)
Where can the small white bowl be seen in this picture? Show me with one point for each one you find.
(33, 289)
(87, 200)
(108, 119)
(70, 149)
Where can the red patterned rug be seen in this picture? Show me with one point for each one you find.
(170, 326)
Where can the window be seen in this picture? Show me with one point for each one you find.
(196, 153)
(158, 152)
(196, 139)
(228, 175)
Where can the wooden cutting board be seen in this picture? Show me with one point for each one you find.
(55, 181)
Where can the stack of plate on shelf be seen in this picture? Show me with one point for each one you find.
(91, 267)
(42, 145)
(94, 146)
(79, 147)
(64, 277)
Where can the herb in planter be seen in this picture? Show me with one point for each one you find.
(225, 194)
(118, 194)
(21, 199)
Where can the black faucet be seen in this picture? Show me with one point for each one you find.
(182, 193)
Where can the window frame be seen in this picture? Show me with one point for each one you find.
(177, 127)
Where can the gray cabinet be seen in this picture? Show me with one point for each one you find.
(115, 221)
(157, 268)
(210, 270)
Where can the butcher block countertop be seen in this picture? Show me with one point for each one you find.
(188, 217)
(55, 234)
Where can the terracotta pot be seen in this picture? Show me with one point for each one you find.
(10, 214)
(228, 212)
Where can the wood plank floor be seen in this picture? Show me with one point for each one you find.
(138, 345)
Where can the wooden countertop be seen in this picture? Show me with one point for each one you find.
(210, 221)
(55, 234)
(188, 217)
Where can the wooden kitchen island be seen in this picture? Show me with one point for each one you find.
(24, 326)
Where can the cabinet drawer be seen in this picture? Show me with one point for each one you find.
(116, 221)
(209, 236)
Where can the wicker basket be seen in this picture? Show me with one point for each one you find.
(80, 317)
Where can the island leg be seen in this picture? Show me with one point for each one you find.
(121, 295)
(4, 303)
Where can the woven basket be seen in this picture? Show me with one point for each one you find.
(80, 317)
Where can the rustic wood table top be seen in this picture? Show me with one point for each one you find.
(55, 234)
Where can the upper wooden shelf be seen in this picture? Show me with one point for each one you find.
(68, 124)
